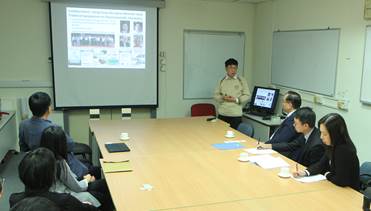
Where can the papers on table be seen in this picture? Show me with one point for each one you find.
(256, 151)
(309, 179)
(268, 161)
(226, 146)
(116, 166)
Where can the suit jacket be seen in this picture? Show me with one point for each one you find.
(305, 153)
(62, 200)
(286, 132)
(342, 165)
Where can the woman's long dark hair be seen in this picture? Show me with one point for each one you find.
(337, 130)
(55, 139)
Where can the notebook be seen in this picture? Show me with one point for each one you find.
(117, 147)
(120, 166)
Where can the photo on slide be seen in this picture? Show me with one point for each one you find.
(125, 41)
(125, 27)
(138, 27)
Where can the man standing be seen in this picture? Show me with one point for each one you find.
(231, 94)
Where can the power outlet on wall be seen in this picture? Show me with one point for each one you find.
(317, 99)
(343, 104)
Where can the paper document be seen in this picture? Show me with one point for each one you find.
(309, 179)
(268, 161)
(226, 146)
(109, 167)
(256, 151)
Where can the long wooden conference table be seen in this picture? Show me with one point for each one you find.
(176, 157)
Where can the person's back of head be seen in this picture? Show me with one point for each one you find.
(337, 129)
(54, 138)
(306, 116)
(39, 103)
(37, 170)
(294, 98)
(35, 204)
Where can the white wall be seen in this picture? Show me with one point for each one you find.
(318, 14)
(25, 49)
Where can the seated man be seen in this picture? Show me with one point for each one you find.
(30, 131)
(307, 149)
(286, 131)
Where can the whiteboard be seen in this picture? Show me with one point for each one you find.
(204, 55)
(306, 60)
(366, 76)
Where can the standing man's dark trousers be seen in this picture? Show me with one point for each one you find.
(234, 121)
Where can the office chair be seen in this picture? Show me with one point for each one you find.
(203, 109)
(83, 150)
(246, 129)
(366, 199)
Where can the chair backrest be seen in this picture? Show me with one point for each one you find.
(246, 129)
(365, 175)
(203, 109)
(366, 199)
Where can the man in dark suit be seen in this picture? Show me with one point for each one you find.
(286, 131)
(307, 149)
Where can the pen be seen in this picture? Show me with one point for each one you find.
(297, 167)
(259, 147)
(121, 161)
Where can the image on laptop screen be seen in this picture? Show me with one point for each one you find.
(264, 97)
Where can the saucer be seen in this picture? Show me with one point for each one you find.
(284, 175)
(229, 136)
(243, 159)
(125, 139)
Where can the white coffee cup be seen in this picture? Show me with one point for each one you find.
(229, 133)
(285, 171)
(124, 136)
(244, 155)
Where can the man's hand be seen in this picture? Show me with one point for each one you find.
(299, 173)
(264, 146)
(89, 178)
(229, 99)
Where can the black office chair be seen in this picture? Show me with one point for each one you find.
(84, 151)
(366, 199)
(246, 129)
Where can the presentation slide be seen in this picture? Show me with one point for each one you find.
(104, 55)
(264, 98)
(106, 38)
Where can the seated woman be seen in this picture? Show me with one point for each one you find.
(37, 172)
(340, 163)
(88, 189)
